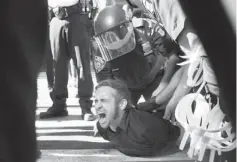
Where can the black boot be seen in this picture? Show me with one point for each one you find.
(86, 105)
(59, 107)
(57, 110)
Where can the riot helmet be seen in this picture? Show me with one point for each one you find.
(114, 32)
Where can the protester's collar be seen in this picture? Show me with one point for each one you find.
(125, 120)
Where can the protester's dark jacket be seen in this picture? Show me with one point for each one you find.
(140, 133)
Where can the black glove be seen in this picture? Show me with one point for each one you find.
(149, 105)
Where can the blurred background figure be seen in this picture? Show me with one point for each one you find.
(23, 37)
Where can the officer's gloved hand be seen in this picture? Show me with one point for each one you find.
(148, 105)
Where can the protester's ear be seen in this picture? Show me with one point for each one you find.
(123, 104)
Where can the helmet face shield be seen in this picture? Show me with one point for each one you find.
(117, 41)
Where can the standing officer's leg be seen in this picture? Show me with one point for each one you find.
(58, 41)
(80, 48)
(49, 65)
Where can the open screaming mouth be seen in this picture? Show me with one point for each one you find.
(102, 119)
(102, 115)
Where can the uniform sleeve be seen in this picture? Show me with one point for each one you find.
(163, 43)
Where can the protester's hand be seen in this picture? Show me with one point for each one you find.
(170, 114)
(159, 89)
(156, 92)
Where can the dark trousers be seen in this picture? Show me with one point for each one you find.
(65, 35)
(49, 65)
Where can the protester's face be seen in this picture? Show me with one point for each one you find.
(106, 105)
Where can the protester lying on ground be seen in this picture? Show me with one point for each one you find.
(131, 131)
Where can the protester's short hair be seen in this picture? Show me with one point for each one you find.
(119, 86)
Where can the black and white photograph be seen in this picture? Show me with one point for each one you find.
(118, 81)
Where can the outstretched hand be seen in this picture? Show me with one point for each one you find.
(170, 114)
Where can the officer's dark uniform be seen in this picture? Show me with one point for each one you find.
(49, 56)
(67, 30)
(139, 71)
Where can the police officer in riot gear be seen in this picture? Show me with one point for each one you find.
(133, 50)
(176, 23)
(69, 39)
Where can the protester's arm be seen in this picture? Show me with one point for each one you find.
(165, 47)
(157, 100)
(163, 44)
(169, 72)
(181, 90)
(167, 93)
